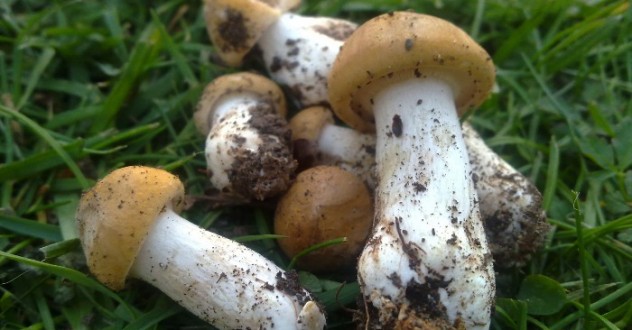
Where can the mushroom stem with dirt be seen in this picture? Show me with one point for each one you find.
(129, 227)
(510, 205)
(248, 148)
(317, 140)
(297, 51)
(427, 262)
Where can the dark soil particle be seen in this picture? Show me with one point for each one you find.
(233, 30)
(288, 282)
(397, 126)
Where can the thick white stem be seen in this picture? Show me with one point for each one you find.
(221, 281)
(428, 254)
(511, 206)
(230, 134)
(350, 150)
(298, 52)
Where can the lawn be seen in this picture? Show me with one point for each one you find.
(90, 86)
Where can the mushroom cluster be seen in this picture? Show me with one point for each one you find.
(422, 205)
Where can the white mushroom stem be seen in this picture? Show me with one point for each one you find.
(349, 150)
(298, 52)
(221, 281)
(428, 254)
(252, 161)
(511, 206)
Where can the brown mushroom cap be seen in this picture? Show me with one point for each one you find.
(114, 217)
(400, 46)
(235, 26)
(324, 203)
(228, 84)
(308, 123)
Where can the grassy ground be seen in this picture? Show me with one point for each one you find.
(87, 86)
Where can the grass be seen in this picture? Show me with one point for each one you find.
(87, 87)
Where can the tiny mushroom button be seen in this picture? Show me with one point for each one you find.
(248, 148)
(427, 262)
(129, 227)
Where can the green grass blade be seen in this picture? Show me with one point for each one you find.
(30, 228)
(44, 135)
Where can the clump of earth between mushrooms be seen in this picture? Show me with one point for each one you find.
(248, 149)
(427, 262)
(129, 227)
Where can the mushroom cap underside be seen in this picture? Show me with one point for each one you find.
(401, 46)
(115, 216)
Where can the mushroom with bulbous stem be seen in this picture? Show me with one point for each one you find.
(297, 51)
(248, 149)
(427, 261)
(129, 227)
(510, 205)
(324, 203)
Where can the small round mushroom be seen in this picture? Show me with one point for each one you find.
(129, 227)
(511, 206)
(248, 148)
(427, 262)
(297, 51)
(324, 203)
(317, 140)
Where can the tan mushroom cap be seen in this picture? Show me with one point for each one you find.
(404, 45)
(241, 82)
(308, 123)
(235, 26)
(325, 202)
(115, 216)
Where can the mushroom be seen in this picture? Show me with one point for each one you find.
(297, 51)
(317, 140)
(248, 149)
(511, 206)
(324, 203)
(427, 262)
(129, 227)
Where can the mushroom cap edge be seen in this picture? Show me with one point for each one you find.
(115, 216)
